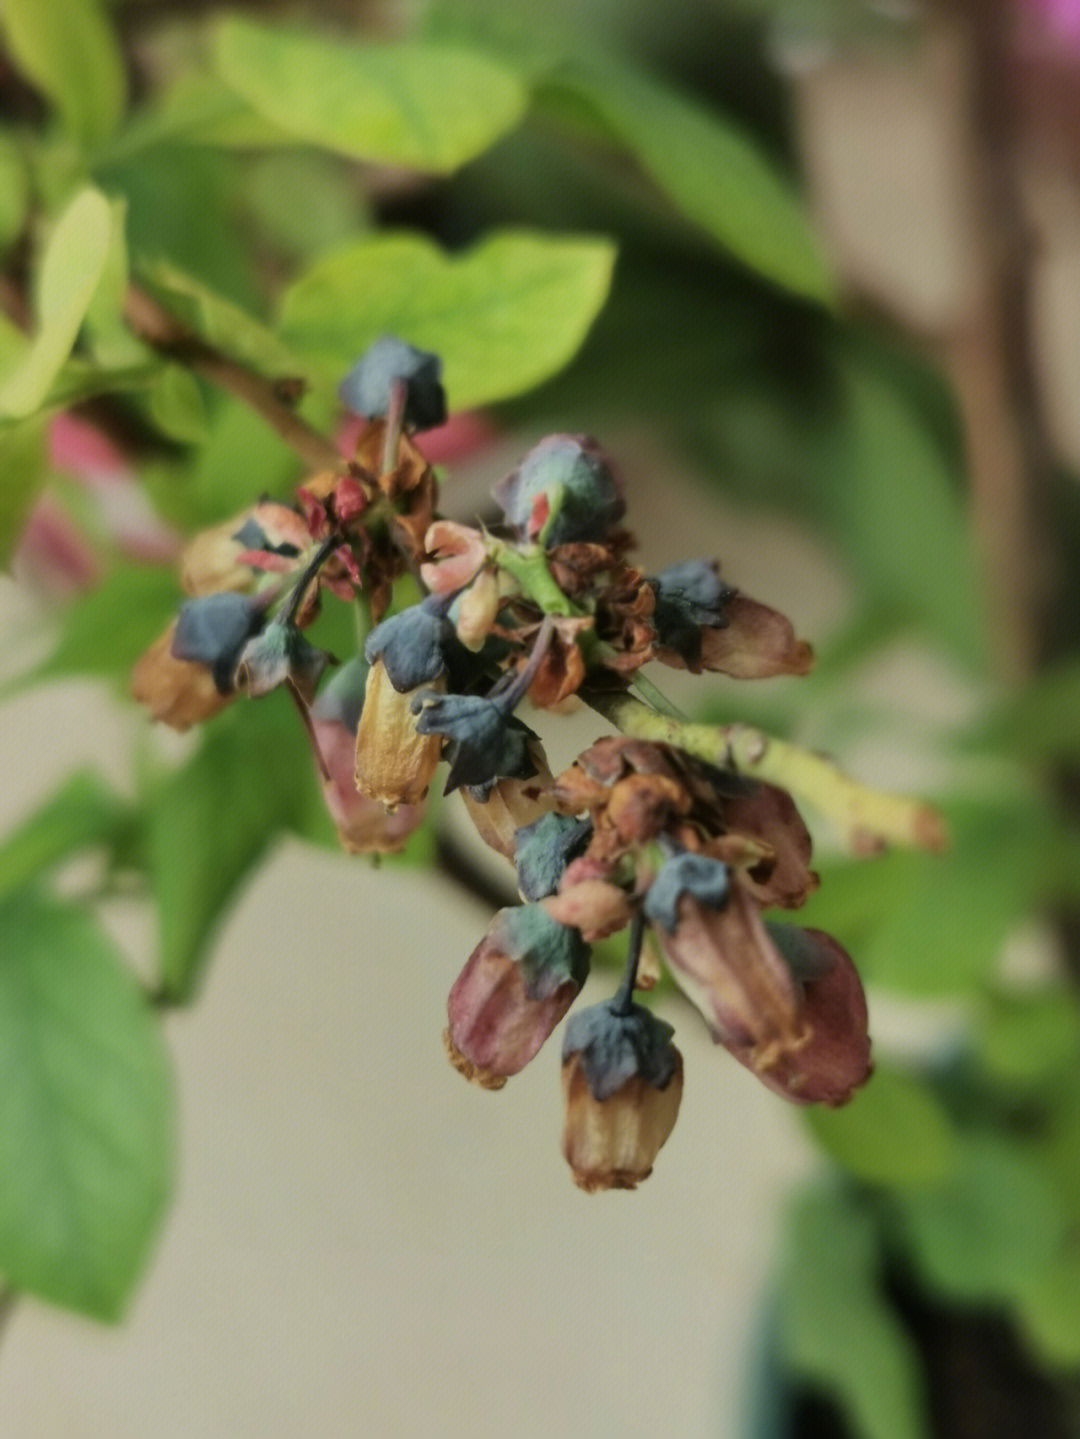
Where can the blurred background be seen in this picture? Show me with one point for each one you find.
(810, 270)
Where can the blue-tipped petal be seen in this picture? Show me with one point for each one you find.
(615, 1047)
(411, 646)
(213, 629)
(543, 849)
(365, 390)
(694, 874)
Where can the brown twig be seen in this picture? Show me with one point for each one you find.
(169, 336)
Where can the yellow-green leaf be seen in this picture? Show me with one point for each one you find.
(427, 105)
(504, 315)
(69, 50)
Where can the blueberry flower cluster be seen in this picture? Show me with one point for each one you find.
(685, 836)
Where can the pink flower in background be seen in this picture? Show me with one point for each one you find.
(54, 552)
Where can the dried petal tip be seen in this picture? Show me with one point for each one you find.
(542, 851)
(622, 1083)
(518, 983)
(366, 388)
(213, 630)
(280, 655)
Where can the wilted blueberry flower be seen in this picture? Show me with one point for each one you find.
(563, 489)
(622, 1082)
(689, 598)
(487, 743)
(280, 655)
(694, 874)
(517, 984)
(411, 645)
(499, 810)
(212, 560)
(212, 631)
(178, 692)
(366, 389)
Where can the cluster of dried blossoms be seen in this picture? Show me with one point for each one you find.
(641, 832)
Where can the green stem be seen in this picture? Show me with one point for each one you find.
(869, 817)
(530, 568)
(656, 697)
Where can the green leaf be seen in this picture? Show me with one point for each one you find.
(899, 517)
(894, 1132)
(24, 468)
(718, 176)
(69, 50)
(213, 820)
(82, 812)
(430, 106)
(85, 1112)
(14, 192)
(981, 1236)
(1026, 1037)
(218, 320)
(104, 632)
(1049, 1310)
(504, 315)
(836, 1328)
(241, 459)
(934, 924)
(72, 266)
(177, 407)
(110, 340)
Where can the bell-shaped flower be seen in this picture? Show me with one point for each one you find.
(178, 692)
(722, 958)
(622, 1083)
(364, 825)
(563, 491)
(835, 1060)
(213, 630)
(518, 983)
(394, 761)
(411, 645)
(366, 389)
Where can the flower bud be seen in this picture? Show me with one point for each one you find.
(622, 1082)
(476, 610)
(517, 984)
(564, 490)
(366, 388)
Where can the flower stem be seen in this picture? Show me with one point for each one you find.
(518, 687)
(624, 997)
(395, 420)
(656, 697)
(870, 818)
(299, 590)
(530, 568)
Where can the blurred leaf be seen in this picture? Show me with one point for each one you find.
(1039, 721)
(72, 265)
(85, 1112)
(177, 407)
(899, 518)
(241, 459)
(105, 631)
(303, 202)
(111, 342)
(212, 820)
(82, 812)
(1022, 1038)
(69, 50)
(1049, 1310)
(836, 1327)
(503, 316)
(982, 1235)
(81, 380)
(183, 208)
(24, 470)
(225, 325)
(14, 194)
(934, 924)
(717, 175)
(425, 105)
(894, 1132)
